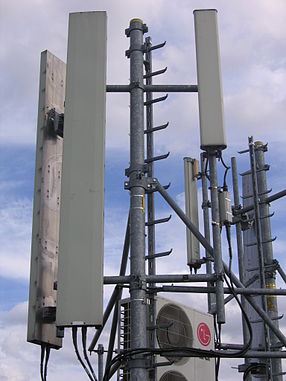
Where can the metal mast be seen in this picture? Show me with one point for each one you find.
(138, 333)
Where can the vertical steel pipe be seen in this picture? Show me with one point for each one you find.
(218, 264)
(239, 243)
(138, 324)
(205, 206)
(100, 353)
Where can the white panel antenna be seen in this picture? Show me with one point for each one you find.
(191, 170)
(211, 112)
(80, 279)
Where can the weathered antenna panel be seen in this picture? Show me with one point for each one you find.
(211, 112)
(191, 171)
(80, 276)
(45, 232)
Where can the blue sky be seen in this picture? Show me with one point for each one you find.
(253, 45)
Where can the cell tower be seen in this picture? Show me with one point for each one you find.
(158, 339)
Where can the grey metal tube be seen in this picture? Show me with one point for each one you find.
(212, 290)
(100, 352)
(233, 354)
(218, 265)
(205, 206)
(204, 242)
(154, 88)
(138, 324)
(175, 278)
(239, 242)
(282, 273)
(270, 277)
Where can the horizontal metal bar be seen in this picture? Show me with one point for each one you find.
(173, 278)
(171, 88)
(228, 354)
(212, 290)
(154, 88)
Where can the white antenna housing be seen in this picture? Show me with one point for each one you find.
(211, 112)
(80, 273)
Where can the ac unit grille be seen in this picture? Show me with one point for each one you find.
(173, 376)
(174, 329)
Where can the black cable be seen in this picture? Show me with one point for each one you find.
(228, 237)
(227, 168)
(217, 365)
(84, 333)
(43, 347)
(48, 351)
(74, 338)
(250, 368)
(206, 169)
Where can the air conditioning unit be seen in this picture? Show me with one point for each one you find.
(176, 326)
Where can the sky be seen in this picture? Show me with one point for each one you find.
(253, 45)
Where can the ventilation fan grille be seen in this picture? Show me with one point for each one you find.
(173, 376)
(174, 329)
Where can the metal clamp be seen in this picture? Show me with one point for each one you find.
(140, 181)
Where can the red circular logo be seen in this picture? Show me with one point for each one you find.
(204, 334)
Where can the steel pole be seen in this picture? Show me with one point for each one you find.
(205, 207)
(138, 326)
(218, 264)
(270, 275)
(239, 242)
(100, 353)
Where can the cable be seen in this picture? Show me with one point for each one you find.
(227, 168)
(74, 338)
(84, 332)
(250, 368)
(48, 351)
(43, 347)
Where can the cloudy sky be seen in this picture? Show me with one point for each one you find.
(253, 46)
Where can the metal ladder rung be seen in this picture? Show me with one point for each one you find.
(156, 100)
(156, 158)
(159, 221)
(158, 46)
(158, 72)
(161, 127)
(158, 255)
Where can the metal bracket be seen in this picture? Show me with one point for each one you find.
(138, 363)
(136, 168)
(139, 181)
(136, 85)
(140, 48)
(142, 27)
(137, 283)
